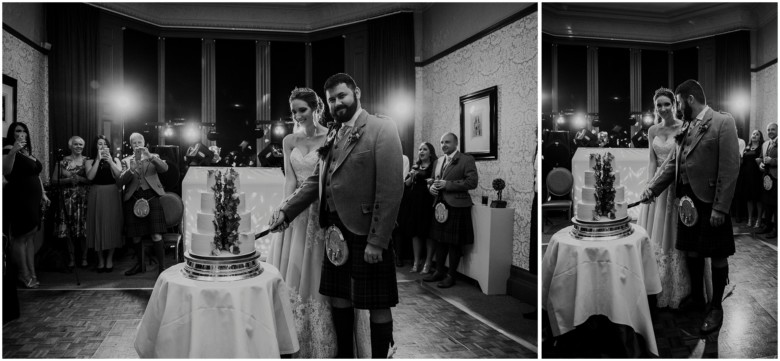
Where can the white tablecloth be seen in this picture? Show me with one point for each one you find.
(263, 188)
(198, 319)
(631, 163)
(581, 279)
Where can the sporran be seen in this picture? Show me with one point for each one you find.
(687, 211)
(336, 247)
(441, 212)
(141, 208)
(768, 182)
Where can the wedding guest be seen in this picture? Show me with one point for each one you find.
(420, 209)
(768, 165)
(143, 214)
(72, 215)
(455, 173)
(104, 204)
(398, 239)
(23, 197)
(750, 179)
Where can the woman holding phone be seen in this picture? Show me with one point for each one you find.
(23, 199)
(104, 204)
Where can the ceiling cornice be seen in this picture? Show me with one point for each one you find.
(284, 17)
(657, 23)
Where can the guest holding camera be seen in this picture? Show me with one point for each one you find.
(420, 207)
(750, 179)
(23, 199)
(71, 177)
(142, 210)
(104, 204)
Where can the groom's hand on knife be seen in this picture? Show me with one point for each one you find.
(647, 196)
(717, 218)
(277, 222)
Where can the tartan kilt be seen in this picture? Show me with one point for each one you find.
(153, 223)
(702, 238)
(368, 286)
(457, 230)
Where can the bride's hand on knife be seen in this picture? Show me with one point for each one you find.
(648, 197)
(277, 222)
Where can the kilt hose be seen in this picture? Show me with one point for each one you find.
(368, 286)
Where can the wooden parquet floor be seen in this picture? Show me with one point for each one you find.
(103, 323)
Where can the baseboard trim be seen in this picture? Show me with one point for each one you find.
(522, 285)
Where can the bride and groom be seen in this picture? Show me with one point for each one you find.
(694, 153)
(348, 176)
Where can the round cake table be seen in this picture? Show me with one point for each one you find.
(186, 318)
(583, 278)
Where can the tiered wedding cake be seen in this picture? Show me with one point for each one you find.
(603, 198)
(237, 241)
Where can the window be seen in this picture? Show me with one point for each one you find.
(614, 88)
(235, 92)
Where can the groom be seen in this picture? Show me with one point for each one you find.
(359, 184)
(705, 172)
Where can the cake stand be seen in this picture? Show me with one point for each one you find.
(601, 230)
(232, 268)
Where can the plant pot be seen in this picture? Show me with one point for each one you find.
(498, 204)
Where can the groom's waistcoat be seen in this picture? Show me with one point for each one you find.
(708, 160)
(362, 179)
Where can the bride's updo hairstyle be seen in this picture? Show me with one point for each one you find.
(310, 97)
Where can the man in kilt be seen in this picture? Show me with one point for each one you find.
(704, 171)
(454, 174)
(768, 164)
(359, 184)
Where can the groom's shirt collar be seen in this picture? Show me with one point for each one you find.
(701, 115)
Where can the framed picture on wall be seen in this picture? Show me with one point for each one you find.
(479, 124)
(9, 102)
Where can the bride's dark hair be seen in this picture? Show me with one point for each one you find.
(662, 92)
(310, 97)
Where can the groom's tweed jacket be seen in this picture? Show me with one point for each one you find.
(711, 161)
(365, 181)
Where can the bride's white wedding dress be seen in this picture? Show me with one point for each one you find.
(660, 220)
(298, 253)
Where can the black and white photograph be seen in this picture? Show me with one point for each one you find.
(659, 170)
(270, 180)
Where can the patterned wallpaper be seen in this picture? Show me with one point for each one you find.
(764, 90)
(506, 58)
(30, 68)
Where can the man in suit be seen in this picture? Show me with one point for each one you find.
(141, 182)
(768, 164)
(454, 174)
(705, 172)
(359, 183)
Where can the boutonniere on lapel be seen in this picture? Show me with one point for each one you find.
(333, 129)
(354, 136)
(704, 128)
(681, 134)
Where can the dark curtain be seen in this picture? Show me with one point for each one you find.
(732, 74)
(73, 67)
(391, 85)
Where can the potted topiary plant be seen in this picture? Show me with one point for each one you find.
(498, 185)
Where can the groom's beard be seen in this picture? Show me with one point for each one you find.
(348, 114)
(685, 114)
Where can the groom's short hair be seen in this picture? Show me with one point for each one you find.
(339, 78)
(691, 87)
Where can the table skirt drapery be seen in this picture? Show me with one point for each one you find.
(612, 278)
(186, 318)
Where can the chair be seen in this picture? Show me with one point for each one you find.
(559, 184)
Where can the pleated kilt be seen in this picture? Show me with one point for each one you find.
(153, 223)
(703, 238)
(369, 286)
(457, 230)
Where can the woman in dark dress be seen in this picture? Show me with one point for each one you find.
(104, 204)
(420, 206)
(22, 200)
(751, 178)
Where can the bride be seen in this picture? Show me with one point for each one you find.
(660, 217)
(298, 253)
